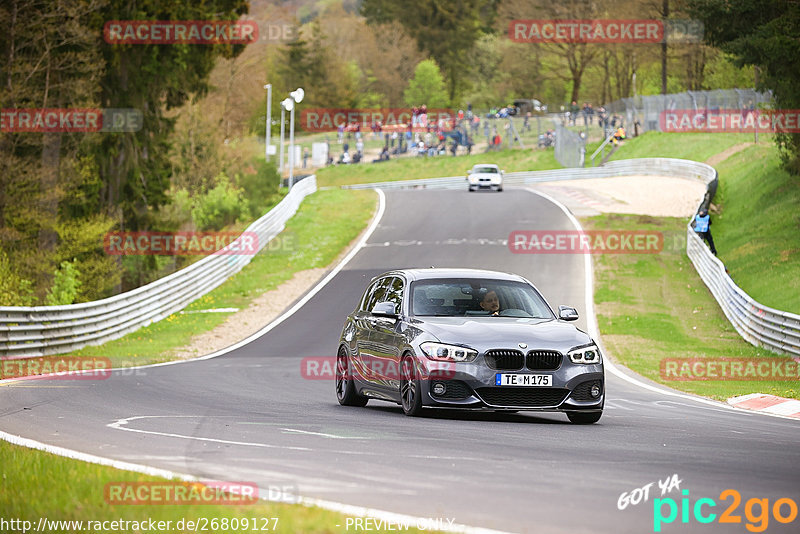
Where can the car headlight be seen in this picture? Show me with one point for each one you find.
(588, 355)
(449, 353)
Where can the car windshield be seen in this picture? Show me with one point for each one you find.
(486, 170)
(475, 297)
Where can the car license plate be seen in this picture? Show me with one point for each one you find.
(506, 379)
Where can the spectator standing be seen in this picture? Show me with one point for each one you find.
(573, 112)
(702, 225)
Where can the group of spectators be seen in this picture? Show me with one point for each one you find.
(610, 124)
(422, 137)
(587, 111)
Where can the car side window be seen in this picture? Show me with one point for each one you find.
(394, 293)
(368, 294)
(376, 293)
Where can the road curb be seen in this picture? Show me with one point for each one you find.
(771, 404)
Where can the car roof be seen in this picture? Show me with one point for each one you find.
(486, 165)
(444, 272)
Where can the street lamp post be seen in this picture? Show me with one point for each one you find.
(268, 125)
(295, 96)
(283, 121)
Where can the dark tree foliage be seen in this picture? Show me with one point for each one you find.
(445, 29)
(766, 34)
(60, 192)
(152, 78)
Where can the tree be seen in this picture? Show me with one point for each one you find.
(444, 29)
(153, 78)
(765, 34)
(426, 87)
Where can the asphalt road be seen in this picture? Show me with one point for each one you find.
(251, 416)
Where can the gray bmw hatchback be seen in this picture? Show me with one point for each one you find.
(467, 339)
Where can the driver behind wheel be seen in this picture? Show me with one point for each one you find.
(490, 302)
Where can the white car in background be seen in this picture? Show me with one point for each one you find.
(485, 176)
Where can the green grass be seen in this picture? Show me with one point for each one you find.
(757, 231)
(655, 306)
(37, 485)
(411, 167)
(325, 224)
(693, 146)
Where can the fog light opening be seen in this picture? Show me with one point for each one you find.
(595, 390)
(439, 388)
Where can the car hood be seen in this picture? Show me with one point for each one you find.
(483, 333)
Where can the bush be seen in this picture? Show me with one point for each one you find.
(260, 183)
(65, 285)
(219, 207)
(14, 290)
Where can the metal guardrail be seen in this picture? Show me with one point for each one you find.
(631, 167)
(45, 330)
(758, 324)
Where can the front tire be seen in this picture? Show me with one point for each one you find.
(410, 388)
(345, 388)
(579, 418)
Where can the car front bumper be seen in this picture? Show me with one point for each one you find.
(494, 181)
(471, 386)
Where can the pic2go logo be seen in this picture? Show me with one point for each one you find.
(757, 511)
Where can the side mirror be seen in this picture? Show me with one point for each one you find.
(385, 309)
(567, 313)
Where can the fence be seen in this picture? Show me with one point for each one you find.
(570, 147)
(647, 109)
(756, 323)
(46, 330)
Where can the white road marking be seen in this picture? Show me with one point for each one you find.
(212, 310)
(120, 424)
(356, 511)
(322, 434)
